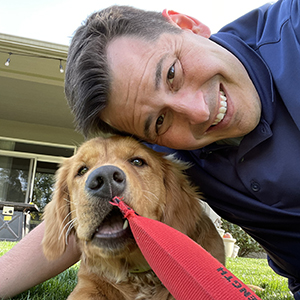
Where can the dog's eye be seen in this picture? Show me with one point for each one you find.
(82, 171)
(138, 162)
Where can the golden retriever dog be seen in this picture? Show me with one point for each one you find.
(112, 266)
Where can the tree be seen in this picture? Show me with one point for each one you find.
(42, 192)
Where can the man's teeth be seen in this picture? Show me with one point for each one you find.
(125, 225)
(222, 109)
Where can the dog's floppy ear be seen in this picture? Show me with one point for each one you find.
(57, 216)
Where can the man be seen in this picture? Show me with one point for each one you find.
(227, 103)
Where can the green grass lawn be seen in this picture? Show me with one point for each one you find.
(248, 270)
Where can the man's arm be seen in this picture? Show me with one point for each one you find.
(25, 265)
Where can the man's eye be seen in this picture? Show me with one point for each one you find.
(171, 74)
(159, 122)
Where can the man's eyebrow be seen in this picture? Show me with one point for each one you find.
(158, 76)
(147, 127)
(158, 72)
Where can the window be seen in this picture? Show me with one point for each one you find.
(27, 172)
(14, 175)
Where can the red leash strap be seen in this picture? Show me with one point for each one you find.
(185, 268)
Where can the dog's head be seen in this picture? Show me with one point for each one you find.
(151, 184)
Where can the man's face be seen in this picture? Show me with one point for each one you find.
(182, 91)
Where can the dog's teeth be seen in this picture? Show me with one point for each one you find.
(125, 225)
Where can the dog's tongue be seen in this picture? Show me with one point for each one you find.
(183, 266)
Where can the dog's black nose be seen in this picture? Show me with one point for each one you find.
(106, 182)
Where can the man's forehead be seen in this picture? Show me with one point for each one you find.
(127, 60)
(128, 46)
(127, 50)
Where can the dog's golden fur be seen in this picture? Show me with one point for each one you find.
(153, 185)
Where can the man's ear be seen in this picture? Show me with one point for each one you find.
(186, 22)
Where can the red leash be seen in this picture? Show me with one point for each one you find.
(185, 268)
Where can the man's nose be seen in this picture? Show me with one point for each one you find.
(192, 107)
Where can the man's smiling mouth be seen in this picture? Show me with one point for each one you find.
(222, 109)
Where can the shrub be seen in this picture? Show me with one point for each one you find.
(246, 243)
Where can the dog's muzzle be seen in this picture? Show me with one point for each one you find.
(103, 184)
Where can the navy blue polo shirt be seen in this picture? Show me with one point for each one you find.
(257, 183)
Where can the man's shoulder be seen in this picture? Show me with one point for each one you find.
(264, 24)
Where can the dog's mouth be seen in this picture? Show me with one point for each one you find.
(114, 229)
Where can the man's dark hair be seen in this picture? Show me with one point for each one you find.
(88, 81)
